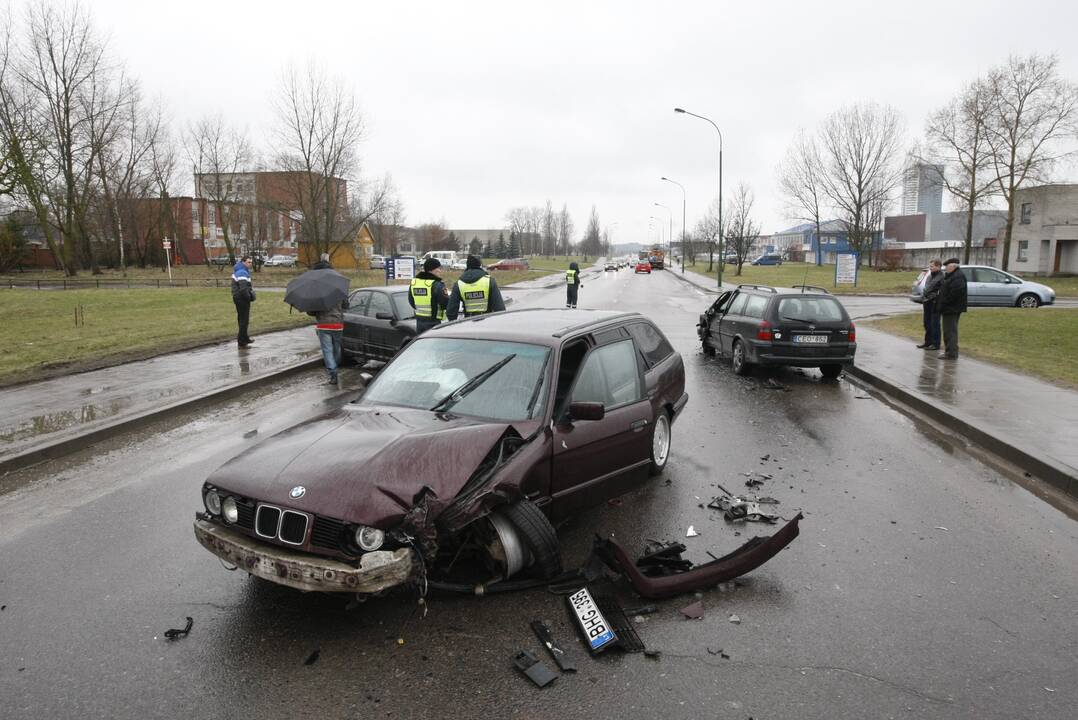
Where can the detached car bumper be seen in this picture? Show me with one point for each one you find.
(377, 570)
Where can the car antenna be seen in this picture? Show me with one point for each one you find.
(805, 279)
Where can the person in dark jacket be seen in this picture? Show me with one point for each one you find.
(951, 303)
(572, 284)
(427, 294)
(476, 290)
(243, 294)
(929, 309)
(323, 263)
(329, 326)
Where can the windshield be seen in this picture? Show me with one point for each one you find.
(431, 368)
(404, 310)
(810, 309)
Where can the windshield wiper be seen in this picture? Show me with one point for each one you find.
(787, 317)
(457, 395)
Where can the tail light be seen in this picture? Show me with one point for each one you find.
(763, 332)
(852, 337)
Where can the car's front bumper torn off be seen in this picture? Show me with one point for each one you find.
(377, 570)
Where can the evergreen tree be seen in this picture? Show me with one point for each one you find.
(502, 247)
(488, 251)
(475, 247)
(514, 245)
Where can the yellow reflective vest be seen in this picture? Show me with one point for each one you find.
(476, 295)
(422, 292)
(570, 277)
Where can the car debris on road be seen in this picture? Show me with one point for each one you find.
(534, 669)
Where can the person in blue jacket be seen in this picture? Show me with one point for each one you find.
(243, 294)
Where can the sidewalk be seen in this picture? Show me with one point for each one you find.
(42, 419)
(1029, 422)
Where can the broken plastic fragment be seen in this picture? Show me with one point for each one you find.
(180, 632)
(691, 532)
(695, 611)
(735, 619)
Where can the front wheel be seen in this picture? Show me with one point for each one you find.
(660, 443)
(530, 539)
(738, 362)
(1029, 300)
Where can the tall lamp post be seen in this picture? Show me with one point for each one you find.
(722, 240)
(682, 220)
(670, 219)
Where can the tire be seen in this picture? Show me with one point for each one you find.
(740, 365)
(831, 372)
(538, 536)
(1028, 300)
(661, 440)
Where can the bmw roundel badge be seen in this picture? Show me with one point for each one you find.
(297, 492)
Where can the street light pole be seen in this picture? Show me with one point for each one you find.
(722, 240)
(669, 235)
(682, 220)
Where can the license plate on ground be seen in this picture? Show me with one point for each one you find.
(811, 339)
(594, 626)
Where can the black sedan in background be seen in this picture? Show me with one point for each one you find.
(378, 322)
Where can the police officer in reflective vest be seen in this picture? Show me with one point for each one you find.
(572, 284)
(476, 290)
(427, 294)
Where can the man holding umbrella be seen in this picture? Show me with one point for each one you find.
(323, 294)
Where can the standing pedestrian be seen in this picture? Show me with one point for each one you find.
(243, 294)
(572, 284)
(930, 309)
(323, 263)
(329, 326)
(427, 294)
(952, 303)
(476, 290)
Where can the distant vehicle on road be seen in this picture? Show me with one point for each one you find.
(768, 259)
(445, 257)
(611, 267)
(377, 323)
(989, 286)
(763, 325)
(654, 257)
(378, 262)
(642, 266)
(509, 264)
(281, 261)
(459, 264)
(461, 452)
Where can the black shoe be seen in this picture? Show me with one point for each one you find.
(931, 347)
(922, 346)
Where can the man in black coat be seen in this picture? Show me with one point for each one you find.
(931, 312)
(951, 303)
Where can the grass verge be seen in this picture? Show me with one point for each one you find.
(1040, 342)
(39, 338)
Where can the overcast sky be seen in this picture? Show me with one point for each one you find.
(474, 108)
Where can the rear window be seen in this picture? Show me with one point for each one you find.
(653, 346)
(810, 309)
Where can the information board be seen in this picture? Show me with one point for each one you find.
(846, 269)
(399, 268)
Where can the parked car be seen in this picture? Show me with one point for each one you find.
(379, 321)
(378, 262)
(768, 259)
(509, 264)
(642, 266)
(987, 285)
(462, 450)
(763, 325)
(281, 261)
(220, 260)
(459, 264)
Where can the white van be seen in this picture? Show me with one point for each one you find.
(445, 257)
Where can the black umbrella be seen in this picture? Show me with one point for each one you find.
(317, 290)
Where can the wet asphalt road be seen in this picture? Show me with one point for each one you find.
(924, 584)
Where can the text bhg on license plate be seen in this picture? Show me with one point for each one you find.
(595, 627)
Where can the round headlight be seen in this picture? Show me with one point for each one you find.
(213, 502)
(229, 511)
(369, 538)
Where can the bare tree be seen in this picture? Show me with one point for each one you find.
(592, 244)
(860, 146)
(549, 239)
(1031, 111)
(801, 183)
(707, 231)
(218, 152)
(565, 229)
(741, 230)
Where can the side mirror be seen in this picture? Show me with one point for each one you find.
(383, 316)
(586, 411)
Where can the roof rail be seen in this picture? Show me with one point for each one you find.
(817, 288)
(759, 287)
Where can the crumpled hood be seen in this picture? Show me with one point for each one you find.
(362, 464)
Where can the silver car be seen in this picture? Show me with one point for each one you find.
(989, 286)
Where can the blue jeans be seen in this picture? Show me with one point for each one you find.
(330, 340)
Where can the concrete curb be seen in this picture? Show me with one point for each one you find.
(64, 446)
(1055, 473)
(1051, 471)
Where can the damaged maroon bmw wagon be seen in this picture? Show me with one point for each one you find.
(467, 445)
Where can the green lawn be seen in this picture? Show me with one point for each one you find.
(38, 336)
(1041, 342)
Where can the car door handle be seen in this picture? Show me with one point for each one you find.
(638, 424)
